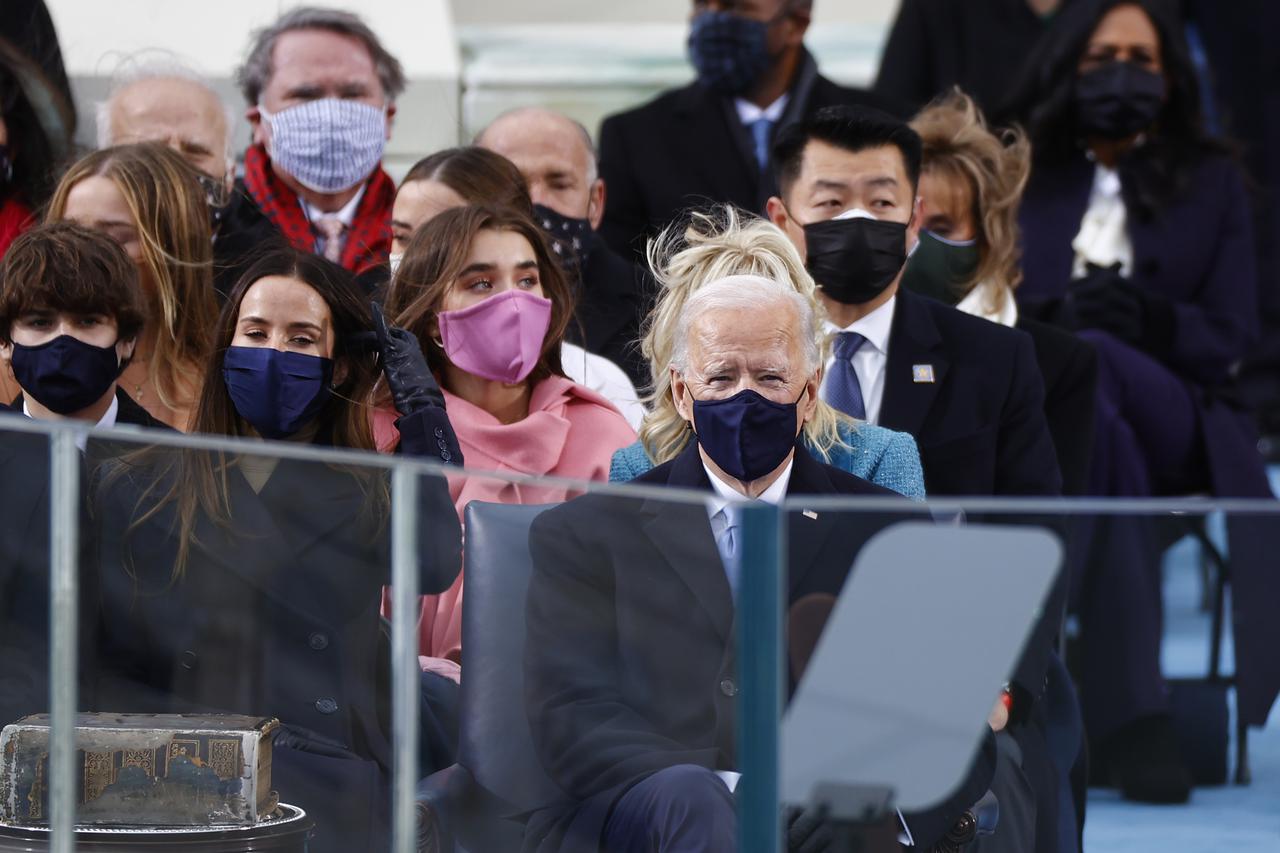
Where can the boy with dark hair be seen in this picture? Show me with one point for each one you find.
(71, 310)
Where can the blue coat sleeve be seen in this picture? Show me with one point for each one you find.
(899, 468)
(628, 463)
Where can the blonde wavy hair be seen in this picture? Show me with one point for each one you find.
(994, 166)
(685, 256)
(175, 232)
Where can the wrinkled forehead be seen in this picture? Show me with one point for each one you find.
(745, 334)
(168, 104)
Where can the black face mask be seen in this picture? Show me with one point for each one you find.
(571, 239)
(1118, 100)
(66, 375)
(854, 260)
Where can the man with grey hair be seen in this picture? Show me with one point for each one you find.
(321, 91)
(168, 103)
(556, 156)
(630, 677)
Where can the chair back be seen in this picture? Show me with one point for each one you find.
(495, 743)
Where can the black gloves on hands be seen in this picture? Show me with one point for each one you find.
(808, 831)
(413, 388)
(1106, 300)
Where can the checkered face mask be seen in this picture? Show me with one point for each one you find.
(327, 145)
(728, 52)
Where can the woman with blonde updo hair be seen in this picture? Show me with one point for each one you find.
(969, 256)
(711, 246)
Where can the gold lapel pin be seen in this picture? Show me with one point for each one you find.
(922, 373)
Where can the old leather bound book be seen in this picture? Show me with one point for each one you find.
(145, 770)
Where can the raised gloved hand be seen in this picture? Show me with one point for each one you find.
(413, 388)
(1106, 300)
(808, 831)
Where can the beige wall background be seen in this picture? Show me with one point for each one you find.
(469, 12)
(467, 60)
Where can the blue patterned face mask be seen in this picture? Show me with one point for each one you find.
(328, 145)
(728, 52)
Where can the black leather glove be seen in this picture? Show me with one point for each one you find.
(1104, 299)
(413, 388)
(808, 831)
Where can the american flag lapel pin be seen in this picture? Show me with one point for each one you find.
(922, 373)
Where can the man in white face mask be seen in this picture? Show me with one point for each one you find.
(321, 91)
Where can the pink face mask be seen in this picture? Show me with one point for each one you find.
(499, 338)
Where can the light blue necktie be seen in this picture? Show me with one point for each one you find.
(844, 392)
(726, 532)
(760, 133)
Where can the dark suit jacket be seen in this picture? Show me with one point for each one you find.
(631, 639)
(240, 230)
(1069, 368)
(1198, 254)
(615, 297)
(24, 574)
(276, 614)
(978, 45)
(687, 148)
(980, 424)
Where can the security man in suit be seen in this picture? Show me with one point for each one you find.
(709, 141)
(968, 390)
(630, 668)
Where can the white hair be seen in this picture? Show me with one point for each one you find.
(165, 68)
(751, 292)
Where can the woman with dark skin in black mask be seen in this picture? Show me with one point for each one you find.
(1136, 235)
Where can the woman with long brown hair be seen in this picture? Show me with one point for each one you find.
(149, 200)
(481, 291)
(246, 583)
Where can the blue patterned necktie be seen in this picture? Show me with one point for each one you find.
(844, 392)
(760, 134)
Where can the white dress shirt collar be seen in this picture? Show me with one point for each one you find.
(346, 215)
(723, 494)
(875, 327)
(749, 113)
(108, 419)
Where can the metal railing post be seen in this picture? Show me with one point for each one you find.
(64, 539)
(762, 584)
(405, 683)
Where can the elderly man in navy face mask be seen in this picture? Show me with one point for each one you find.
(629, 670)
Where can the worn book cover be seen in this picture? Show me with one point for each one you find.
(145, 770)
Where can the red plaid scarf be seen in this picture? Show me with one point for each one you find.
(369, 238)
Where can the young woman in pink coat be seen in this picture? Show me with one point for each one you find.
(482, 292)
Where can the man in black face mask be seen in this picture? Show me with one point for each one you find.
(558, 161)
(968, 390)
(71, 309)
(709, 141)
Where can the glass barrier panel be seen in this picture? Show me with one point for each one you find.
(586, 659)
(950, 665)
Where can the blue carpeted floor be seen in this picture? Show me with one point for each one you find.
(1229, 818)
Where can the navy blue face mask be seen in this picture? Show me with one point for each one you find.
(728, 52)
(746, 435)
(278, 393)
(66, 375)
